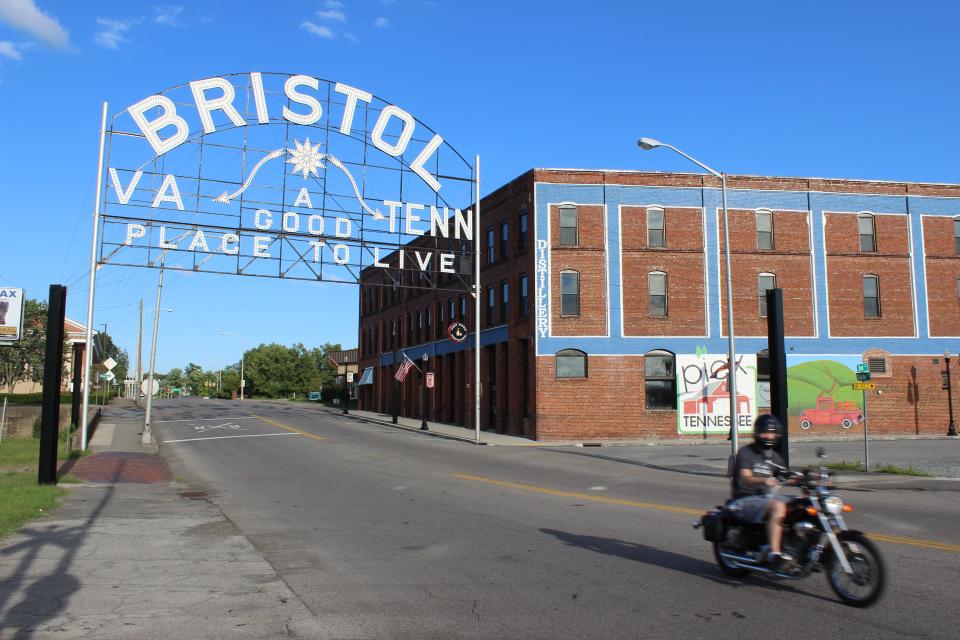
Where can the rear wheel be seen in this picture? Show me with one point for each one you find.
(729, 569)
(865, 585)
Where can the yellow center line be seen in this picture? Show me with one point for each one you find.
(580, 496)
(914, 542)
(287, 427)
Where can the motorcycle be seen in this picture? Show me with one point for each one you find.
(815, 537)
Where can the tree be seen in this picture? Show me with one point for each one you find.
(23, 360)
(104, 347)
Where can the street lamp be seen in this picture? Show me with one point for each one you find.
(952, 431)
(649, 143)
(243, 382)
(147, 435)
(423, 396)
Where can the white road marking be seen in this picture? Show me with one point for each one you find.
(200, 428)
(201, 419)
(252, 435)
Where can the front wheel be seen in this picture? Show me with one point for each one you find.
(865, 585)
(728, 569)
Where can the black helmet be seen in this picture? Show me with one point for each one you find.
(767, 424)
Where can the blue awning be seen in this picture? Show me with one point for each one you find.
(367, 377)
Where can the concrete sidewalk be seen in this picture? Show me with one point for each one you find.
(136, 555)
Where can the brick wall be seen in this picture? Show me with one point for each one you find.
(942, 267)
(589, 259)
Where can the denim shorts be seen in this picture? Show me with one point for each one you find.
(753, 509)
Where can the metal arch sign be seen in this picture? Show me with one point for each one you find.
(285, 176)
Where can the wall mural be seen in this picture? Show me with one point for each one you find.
(820, 392)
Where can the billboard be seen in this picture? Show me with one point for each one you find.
(11, 314)
(703, 396)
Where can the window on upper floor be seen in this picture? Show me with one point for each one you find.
(956, 236)
(764, 230)
(504, 238)
(765, 282)
(491, 247)
(522, 228)
(466, 260)
(491, 303)
(656, 234)
(871, 296)
(868, 233)
(660, 387)
(504, 300)
(571, 363)
(569, 293)
(569, 234)
(657, 293)
(522, 308)
(463, 308)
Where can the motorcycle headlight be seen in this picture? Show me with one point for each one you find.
(833, 505)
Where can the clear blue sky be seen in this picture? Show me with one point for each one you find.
(835, 89)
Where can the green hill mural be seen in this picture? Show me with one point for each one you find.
(810, 381)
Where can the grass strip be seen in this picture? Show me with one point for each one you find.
(20, 452)
(879, 468)
(22, 500)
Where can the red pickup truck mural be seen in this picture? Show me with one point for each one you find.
(820, 391)
(844, 413)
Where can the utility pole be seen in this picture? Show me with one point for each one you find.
(139, 377)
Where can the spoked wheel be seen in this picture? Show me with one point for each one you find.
(865, 585)
(729, 569)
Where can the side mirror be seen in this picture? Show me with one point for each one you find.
(821, 452)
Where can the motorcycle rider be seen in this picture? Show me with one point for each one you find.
(753, 479)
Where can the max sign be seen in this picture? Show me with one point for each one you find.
(282, 175)
(11, 315)
(703, 396)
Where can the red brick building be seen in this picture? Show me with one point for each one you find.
(601, 289)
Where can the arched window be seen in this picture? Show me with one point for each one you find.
(569, 236)
(871, 296)
(569, 293)
(764, 230)
(656, 228)
(657, 293)
(765, 282)
(660, 383)
(571, 363)
(868, 233)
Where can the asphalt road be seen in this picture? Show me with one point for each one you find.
(384, 533)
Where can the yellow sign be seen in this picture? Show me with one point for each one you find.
(864, 386)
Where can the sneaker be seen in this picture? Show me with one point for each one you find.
(778, 561)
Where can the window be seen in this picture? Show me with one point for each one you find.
(568, 226)
(657, 290)
(463, 308)
(569, 293)
(504, 299)
(504, 237)
(659, 382)
(765, 282)
(522, 224)
(466, 260)
(868, 233)
(419, 325)
(393, 333)
(956, 236)
(429, 322)
(764, 231)
(410, 328)
(571, 363)
(871, 296)
(522, 309)
(655, 228)
(453, 309)
(491, 257)
(491, 302)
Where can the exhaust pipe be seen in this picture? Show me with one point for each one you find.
(746, 562)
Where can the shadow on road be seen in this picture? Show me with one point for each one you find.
(47, 595)
(668, 560)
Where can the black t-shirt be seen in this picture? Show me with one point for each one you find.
(752, 457)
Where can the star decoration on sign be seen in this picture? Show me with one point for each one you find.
(306, 158)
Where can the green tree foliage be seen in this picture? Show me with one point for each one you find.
(23, 361)
(104, 347)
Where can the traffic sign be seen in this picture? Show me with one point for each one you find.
(864, 386)
(457, 331)
(862, 368)
(150, 387)
(108, 376)
(349, 377)
(109, 363)
(430, 380)
(863, 377)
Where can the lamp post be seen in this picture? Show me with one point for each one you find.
(649, 143)
(952, 431)
(243, 382)
(423, 395)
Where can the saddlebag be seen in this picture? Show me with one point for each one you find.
(714, 529)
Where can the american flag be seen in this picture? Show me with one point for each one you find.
(404, 368)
